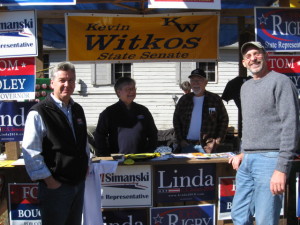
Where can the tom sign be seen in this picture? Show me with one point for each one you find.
(17, 78)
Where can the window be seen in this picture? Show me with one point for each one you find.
(210, 70)
(109, 73)
(120, 70)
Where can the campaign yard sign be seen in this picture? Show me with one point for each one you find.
(17, 78)
(177, 183)
(130, 187)
(18, 34)
(12, 120)
(226, 193)
(23, 204)
(123, 38)
(227, 188)
(278, 29)
(288, 65)
(126, 217)
(183, 215)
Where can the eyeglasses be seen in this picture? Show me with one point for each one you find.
(256, 55)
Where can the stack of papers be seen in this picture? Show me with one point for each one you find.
(204, 155)
(216, 155)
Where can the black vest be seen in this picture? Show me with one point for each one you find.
(64, 155)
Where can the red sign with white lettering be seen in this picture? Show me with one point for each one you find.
(17, 66)
(17, 78)
(284, 64)
(23, 204)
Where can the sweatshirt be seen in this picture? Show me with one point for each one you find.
(270, 115)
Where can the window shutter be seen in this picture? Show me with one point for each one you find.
(185, 70)
(102, 74)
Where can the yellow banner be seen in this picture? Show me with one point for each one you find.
(294, 3)
(96, 37)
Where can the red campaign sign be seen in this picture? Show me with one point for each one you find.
(284, 64)
(17, 66)
(23, 193)
(227, 187)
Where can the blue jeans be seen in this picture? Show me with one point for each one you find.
(61, 206)
(253, 195)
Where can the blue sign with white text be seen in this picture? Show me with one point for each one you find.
(200, 214)
(12, 120)
(278, 29)
(126, 216)
(177, 183)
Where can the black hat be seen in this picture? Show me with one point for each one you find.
(198, 72)
(251, 43)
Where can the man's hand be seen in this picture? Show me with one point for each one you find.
(277, 183)
(236, 161)
(211, 145)
(52, 183)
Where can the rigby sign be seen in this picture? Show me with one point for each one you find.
(183, 215)
(278, 29)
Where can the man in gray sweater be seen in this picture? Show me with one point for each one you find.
(270, 115)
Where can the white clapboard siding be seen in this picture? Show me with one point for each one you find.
(157, 86)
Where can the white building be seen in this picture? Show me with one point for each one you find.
(157, 84)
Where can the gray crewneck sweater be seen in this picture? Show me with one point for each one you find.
(270, 117)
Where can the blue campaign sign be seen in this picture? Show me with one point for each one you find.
(36, 2)
(177, 183)
(278, 29)
(200, 214)
(126, 216)
(12, 120)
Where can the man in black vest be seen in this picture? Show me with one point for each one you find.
(56, 152)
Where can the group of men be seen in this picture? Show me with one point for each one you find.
(57, 155)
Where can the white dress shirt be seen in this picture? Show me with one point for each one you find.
(34, 133)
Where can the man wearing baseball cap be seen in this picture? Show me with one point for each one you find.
(270, 115)
(200, 119)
